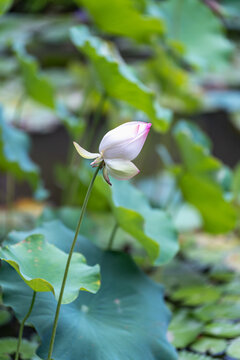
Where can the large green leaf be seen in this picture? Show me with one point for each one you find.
(173, 82)
(125, 320)
(75, 125)
(5, 5)
(185, 355)
(117, 79)
(195, 149)
(153, 228)
(223, 329)
(196, 295)
(120, 17)
(36, 84)
(222, 310)
(5, 317)
(236, 184)
(41, 265)
(39, 88)
(231, 11)
(218, 214)
(183, 329)
(197, 180)
(14, 158)
(8, 346)
(234, 349)
(178, 274)
(194, 25)
(207, 344)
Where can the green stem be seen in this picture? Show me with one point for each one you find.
(96, 118)
(69, 261)
(90, 137)
(112, 236)
(19, 108)
(22, 325)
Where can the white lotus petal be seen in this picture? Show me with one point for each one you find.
(124, 132)
(84, 153)
(121, 169)
(125, 141)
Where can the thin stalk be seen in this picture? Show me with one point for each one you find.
(97, 116)
(112, 236)
(69, 261)
(71, 153)
(22, 325)
(90, 136)
(19, 108)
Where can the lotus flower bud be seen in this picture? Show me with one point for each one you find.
(117, 150)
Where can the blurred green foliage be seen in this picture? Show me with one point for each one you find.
(88, 66)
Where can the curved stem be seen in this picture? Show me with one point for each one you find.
(68, 262)
(90, 136)
(19, 108)
(112, 236)
(96, 118)
(22, 325)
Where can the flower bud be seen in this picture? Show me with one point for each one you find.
(117, 148)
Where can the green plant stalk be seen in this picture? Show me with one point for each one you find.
(22, 325)
(96, 118)
(69, 261)
(19, 108)
(112, 236)
(95, 122)
(71, 158)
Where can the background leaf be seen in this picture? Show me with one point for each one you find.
(210, 345)
(218, 214)
(8, 346)
(14, 157)
(151, 227)
(198, 180)
(5, 5)
(122, 18)
(234, 349)
(195, 149)
(202, 37)
(196, 295)
(5, 317)
(223, 329)
(184, 329)
(117, 79)
(37, 86)
(185, 355)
